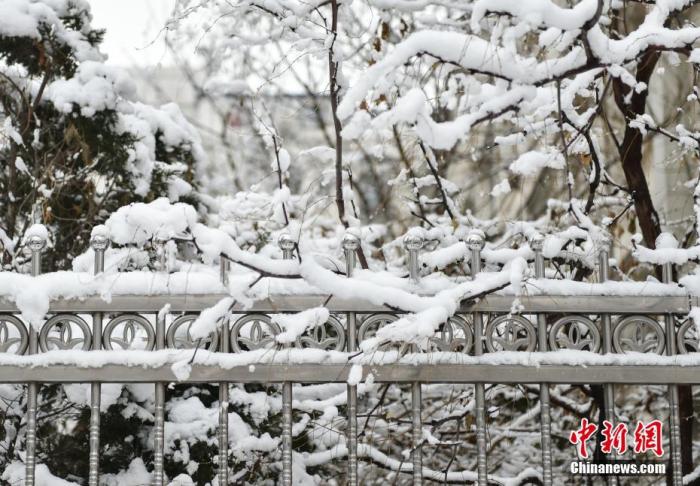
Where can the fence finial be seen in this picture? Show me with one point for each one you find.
(36, 243)
(99, 241)
(476, 240)
(286, 244)
(413, 242)
(350, 242)
(36, 237)
(536, 242)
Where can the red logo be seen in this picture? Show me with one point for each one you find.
(580, 437)
(647, 437)
(614, 438)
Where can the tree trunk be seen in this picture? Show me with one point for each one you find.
(631, 157)
(631, 149)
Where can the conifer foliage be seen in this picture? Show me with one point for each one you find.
(73, 144)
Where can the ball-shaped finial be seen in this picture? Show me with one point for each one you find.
(36, 243)
(99, 242)
(537, 241)
(286, 242)
(99, 238)
(36, 237)
(350, 242)
(476, 240)
(413, 242)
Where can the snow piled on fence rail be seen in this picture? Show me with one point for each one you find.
(227, 361)
(140, 226)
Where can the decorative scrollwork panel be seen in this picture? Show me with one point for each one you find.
(14, 337)
(640, 334)
(179, 337)
(574, 332)
(372, 324)
(65, 331)
(129, 331)
(455, 335)
(253, 331)
(330, 336)
(688, 337)
(510, 333)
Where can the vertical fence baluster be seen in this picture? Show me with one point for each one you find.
(475, 242)
(674, 415)
(224, 346)
(36, 245)
(286, 243)
(536, 243)
(350, 245)
(413, 243)
(159, 435)
(608, 388)
(99, 245)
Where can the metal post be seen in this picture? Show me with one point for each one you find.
(413, 244)
(608, 388)
(674, 415)
(286, 243)
(537, 243)
(224, 345)
(36, 244)
(99, 245)
(476, 242)
(350, 246)
(159, 435)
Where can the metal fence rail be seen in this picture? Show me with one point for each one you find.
(608, 325)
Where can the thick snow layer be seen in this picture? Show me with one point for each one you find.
(36, 230)
(531, 163)
(15, 471)
(94, 87)
(32, 295)
(659, 256)
(23, 18)
(537, 13)
(210, 319)
(294, 325)
(158, 220)
(149, 126)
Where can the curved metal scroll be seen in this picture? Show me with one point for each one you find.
(372, 324)
(510, 333)
(179, 337)
(688, 337)
(639, 334)
(59, 333)
(129, 331)
(330, 336)
(253, 331)
(13, 335)
(455, 335)
(574, 332)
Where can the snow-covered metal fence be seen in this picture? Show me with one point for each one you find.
(486, 341)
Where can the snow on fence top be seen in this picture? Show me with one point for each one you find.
(147, 232)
